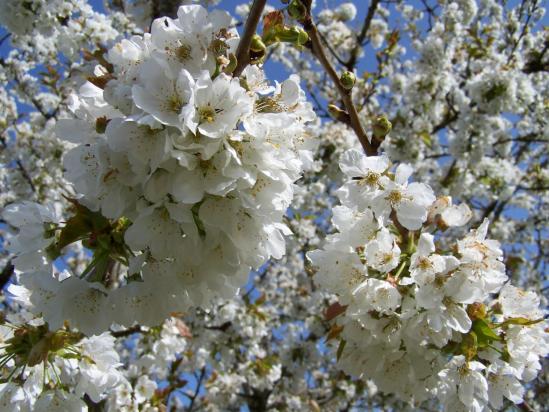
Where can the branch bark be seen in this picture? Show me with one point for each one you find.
(346, 95)
(243, 50)
(350, 65)
(6, 274)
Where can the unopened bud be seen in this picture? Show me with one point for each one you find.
(258, 50)
(297, 10)
(476, 310)
(302, 38)
(101, 124)
(295, 35)
(382, 126)
(348, 80)
(257, 44)
(337, 113)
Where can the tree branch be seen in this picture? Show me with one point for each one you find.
(197, 390)
(127, 332)
(350, 65)
(6, 274)
(346, 95)
(243, 50)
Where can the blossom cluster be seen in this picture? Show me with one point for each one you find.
(43, 364)
(182, 170)
(420, 320)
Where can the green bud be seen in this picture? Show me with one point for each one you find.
(382, 126)
(258, 50)
(294, 35)
(257, 45)
(348, 80)
(334, 110)
(287, 34)
(297, 10)
(302, 37)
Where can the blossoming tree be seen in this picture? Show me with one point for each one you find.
(302, 205)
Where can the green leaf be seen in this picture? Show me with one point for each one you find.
(76, 228)
(426, 138)
(485, 334)
(521, 321)
(81, 225)
(97, 267)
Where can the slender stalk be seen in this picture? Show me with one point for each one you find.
(243, 50)
(346, 95)
(197, 389)
(362, 35)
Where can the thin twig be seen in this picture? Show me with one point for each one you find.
(243, 50)
(346, 97)
(127, 332)
(350, 65)
(197, 389)
(330, 49)
(4, 38)
(6, 274)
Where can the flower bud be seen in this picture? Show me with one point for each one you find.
(476, 310)
(337, 113)
(348, 80)
(297, 10)
(295, 35)
(257, 44)
(302, 37)
(382, 126)
(258, 50)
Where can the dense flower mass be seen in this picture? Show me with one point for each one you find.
(420, 320)
(195, 167)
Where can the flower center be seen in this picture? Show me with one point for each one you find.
(206, 114)
(370, 179)
(183, 52)
(386, 258)
(356, 277)
(424, 263)
(395, 197)
(174, 104)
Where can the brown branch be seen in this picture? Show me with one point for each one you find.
(346, 95)
(127, 332)
(350, 65)
(6, 274)
(243, 50)
(162, 8)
